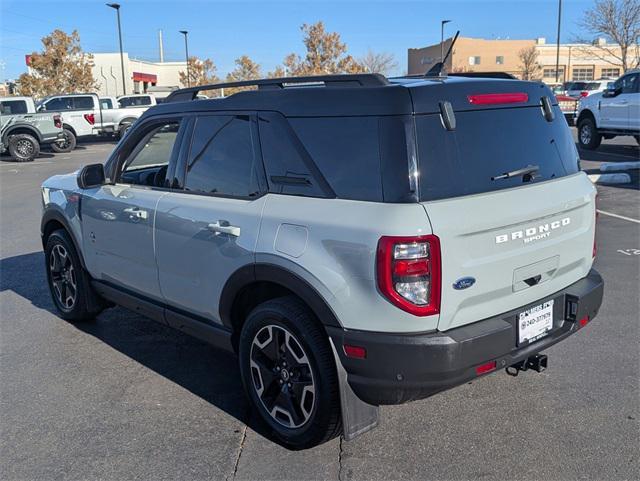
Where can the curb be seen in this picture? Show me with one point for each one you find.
(610, 178)
(609, 166)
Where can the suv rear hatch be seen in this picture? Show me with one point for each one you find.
(521, 238)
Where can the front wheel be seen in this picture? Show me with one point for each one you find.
(588, 135)
(289, 373)
(69, 283)
(23, 147)
(67, 145)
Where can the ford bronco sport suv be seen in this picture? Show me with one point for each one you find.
(356, 240)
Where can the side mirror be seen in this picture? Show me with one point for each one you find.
(91, 176)
(42, 108)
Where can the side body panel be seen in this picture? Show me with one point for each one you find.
(331, 244)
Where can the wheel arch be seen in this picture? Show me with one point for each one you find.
(23, 129)
(53, 220)
(586, 114)
(70, 128)
(254, 284)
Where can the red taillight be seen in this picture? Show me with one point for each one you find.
(504, 98)
(595, 225)
(583, 322)
(584, 93)
(91, 118)
(486, 367)
(355, 352)
(409, 273)
(57, 121)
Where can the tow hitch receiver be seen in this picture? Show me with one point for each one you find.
(538, 363)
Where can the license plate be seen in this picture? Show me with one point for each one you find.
(535, 322)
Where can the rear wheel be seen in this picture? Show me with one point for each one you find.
(588, 135)
(69, 283)
(67, 145)
(289, 373)
(23, 147)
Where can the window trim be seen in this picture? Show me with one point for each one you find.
(181, 169)
(121, 155)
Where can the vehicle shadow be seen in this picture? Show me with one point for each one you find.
(42, 155)
(211, 374)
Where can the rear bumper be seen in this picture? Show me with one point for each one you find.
(404, 367)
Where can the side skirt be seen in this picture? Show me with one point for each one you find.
(217, 336)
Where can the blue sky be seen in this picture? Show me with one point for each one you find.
(268, 30)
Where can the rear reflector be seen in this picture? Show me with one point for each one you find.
(504, 98)
(486, 367)
(583, 322)
(355, 352)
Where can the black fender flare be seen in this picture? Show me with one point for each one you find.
(32, 131)
(52, 214)
(276, 274)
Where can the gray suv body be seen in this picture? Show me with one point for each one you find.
(357, 241)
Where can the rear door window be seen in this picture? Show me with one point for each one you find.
(83, 103)
(489, 143)
(222, 160)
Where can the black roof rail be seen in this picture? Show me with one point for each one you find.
(339, 80)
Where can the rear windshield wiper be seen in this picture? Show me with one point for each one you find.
(524, 172)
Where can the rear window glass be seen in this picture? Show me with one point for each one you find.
(578, 86)
(489, 143)
(13, 107)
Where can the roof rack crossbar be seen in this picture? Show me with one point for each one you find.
(344, 80)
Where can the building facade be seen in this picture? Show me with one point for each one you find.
(577, 61)
(139, 74)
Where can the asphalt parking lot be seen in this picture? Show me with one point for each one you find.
(125, 398)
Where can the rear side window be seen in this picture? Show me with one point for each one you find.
(290, 169)
(83, 103)
(489, 143)
(134, 101)
(346, 151)
(222, 160)
(106, 104)
(13, 107)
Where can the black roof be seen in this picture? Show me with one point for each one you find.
(349, 95)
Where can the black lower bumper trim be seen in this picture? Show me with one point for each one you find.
(405, 367)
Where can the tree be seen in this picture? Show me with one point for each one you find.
(201, 72)
(530, 68)
(383, 63)
(619, 21)
(61, 68)
(326, 54)
(246, 69)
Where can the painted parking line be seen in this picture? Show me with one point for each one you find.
(617, 216)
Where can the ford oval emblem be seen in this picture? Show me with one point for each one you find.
(463, 283)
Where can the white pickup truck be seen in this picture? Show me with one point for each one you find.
(613, 112)
(87, 115)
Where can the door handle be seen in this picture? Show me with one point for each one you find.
(223, 227)
(136, 213)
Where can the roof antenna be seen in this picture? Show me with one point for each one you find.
(436, 70)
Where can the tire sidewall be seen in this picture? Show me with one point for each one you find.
(71, 143)
(594, 139)
(16, 155)
(294, 437)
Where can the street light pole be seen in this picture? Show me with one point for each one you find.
(186, 50)
(558, 41)
(442, 24)
(116, 7)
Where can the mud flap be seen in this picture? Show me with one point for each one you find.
(358, 417)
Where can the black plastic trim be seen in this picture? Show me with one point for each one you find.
(51, 214)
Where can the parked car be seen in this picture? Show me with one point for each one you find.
(83, 116)
(118, 114)
(616, 111)
(22, 131)
(569, 107)
(357, 242)
(584, 89)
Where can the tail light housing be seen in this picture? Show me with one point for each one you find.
(499, 98)
(91, 118)
(57, 121)
(595, 226)
(409, 273)
(584, 93)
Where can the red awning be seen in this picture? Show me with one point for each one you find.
(144, 77)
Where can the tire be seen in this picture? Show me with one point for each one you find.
(69, 283)
(23, 147)
(69, 144)
(588, 135)
(309, 413)
(124, 128)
